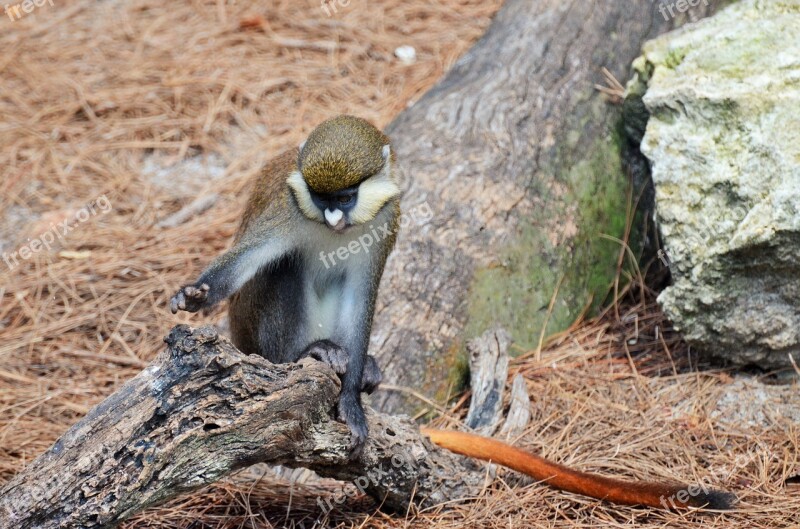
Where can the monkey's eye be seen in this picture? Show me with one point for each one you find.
(345, 199)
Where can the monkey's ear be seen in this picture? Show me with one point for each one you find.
(387, 151)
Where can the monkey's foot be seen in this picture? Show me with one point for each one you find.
(352, 414)
(189, 298)
(372, 376)
(328, 352)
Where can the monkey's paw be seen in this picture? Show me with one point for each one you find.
(328, 352)
(189, 298)
(352, 414)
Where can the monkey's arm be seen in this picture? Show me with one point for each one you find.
(352, 334)
(228, 272)
(661, 495)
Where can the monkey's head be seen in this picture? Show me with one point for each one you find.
(344, 173)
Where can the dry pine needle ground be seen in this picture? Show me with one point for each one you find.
(151, 106)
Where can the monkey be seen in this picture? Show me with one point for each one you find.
(335, 195)
(290, 298)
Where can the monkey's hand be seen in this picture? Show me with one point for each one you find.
(328, 352)
(189, 298)
(352, 414)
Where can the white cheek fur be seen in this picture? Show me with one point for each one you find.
(303, 196)
(373, 193)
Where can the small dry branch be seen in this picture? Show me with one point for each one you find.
(201, 411)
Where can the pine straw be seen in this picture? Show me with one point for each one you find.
(92, 94)
(597, 407)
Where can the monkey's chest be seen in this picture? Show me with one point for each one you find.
(334, 282)
(323, 299)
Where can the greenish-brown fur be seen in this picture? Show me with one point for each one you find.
(270, 194)
(340, 153)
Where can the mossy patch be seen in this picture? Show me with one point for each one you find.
(561, 248)
(675, 57)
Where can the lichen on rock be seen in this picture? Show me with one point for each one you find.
(723, 140)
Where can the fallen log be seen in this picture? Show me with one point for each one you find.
(199, 412)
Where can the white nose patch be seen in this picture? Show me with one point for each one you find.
(333, 217)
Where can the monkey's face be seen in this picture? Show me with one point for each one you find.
(337, 206)
(344, 175)
(353, 205)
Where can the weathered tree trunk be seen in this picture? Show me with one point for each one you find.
(202, 410)
(518, 158)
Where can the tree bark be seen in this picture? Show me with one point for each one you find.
(202, 410)
(517, 155)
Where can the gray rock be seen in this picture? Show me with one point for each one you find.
(723, 140)
(749, 404)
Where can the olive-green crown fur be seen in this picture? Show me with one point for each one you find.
(340, 153)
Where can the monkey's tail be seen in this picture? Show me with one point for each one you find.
(662, 495)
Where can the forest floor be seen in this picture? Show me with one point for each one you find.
(116, 115)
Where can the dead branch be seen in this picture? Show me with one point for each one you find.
(201, 411)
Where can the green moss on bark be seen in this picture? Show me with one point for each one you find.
(563, 249)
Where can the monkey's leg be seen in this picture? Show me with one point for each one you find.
(372, 376)
(351, 370)
(328, 352)
(351, 411)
